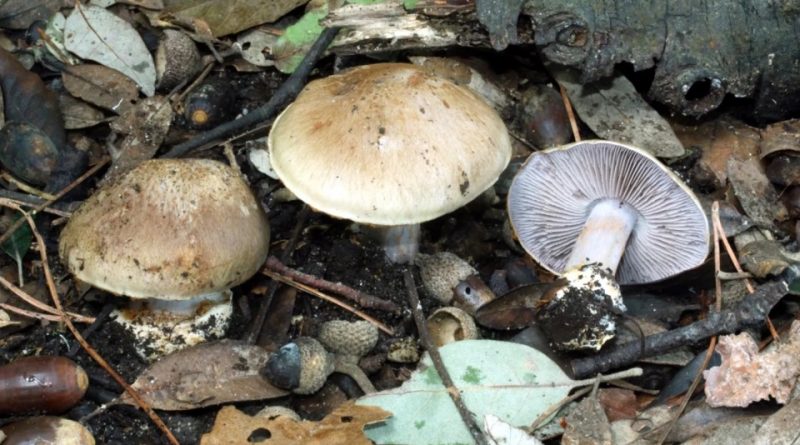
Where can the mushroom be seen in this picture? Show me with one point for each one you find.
(388, 145)
(594, 210)
(174, 235)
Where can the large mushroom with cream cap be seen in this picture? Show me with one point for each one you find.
(174, 236)
(595, 210)
(388, 145)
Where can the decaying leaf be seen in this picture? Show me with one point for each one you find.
(512, 381)
(587, 424)
(462, 74)
(614, 110)
(146, 125)
(28, 100)
(256, 45)
(781, 136)
(295, 41)
(232, 16)
(779, 428)
(345, 425)
(101, 86)
(207, 374)
(644, 429)
(746, 376)
(755, 193)
(765, 257)
(147, 4)
(19, 14)
(78, 114)
(719, 140)
(701, 420)
(501, 433)
(618, 403)
(96, 34)
(516, 309)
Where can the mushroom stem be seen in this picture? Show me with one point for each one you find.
(400, 243)
(188, 306)
(604, 235)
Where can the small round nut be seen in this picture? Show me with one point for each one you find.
(177, 59)
(441, 272)
(355, 338)
(449, 324)
(301, 366)
(404, 350)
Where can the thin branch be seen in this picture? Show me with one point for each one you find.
(568, 106)
(433, 351)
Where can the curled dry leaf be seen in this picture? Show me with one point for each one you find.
(781, 136)
(746, 376)
(101, 86)
(96, 34)
(207, 374)
(345, 425)
(146, 126)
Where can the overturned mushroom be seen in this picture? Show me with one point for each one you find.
(388, 145)
(174, 235)
(594, 210)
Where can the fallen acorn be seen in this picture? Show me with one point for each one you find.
(441, 272)
(350, 339)
(41, 385)
(46, 430)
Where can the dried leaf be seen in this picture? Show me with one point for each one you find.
(345, 425)
(462, 74)
(96, 34)
(587, 424)
(256, 45)
(20, 14)
(501, 433)
(516, 309)
(147, 4)
(78, 114)
(101, 86)
(646, 428)
(231, 16)
(780, 428)
(781, 136)
(28, 100)
(207, 374)
(764, 257)
(755, 193)
(614, 110)
(618, 403)
(746, 376)
(146, 126)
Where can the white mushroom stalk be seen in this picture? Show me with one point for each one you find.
(604, 235)
(400, 243)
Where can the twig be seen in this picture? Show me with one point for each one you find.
(27, 200)
(552, 409)
(39, 305)
(438, 364)
(51, 286)
(25, 187)
(56, 197)
(287, 91)
(98, 321)
(29, 314)
(261, 315)
(749, 311)
(362, 298)
(321, 295)
(568, 106)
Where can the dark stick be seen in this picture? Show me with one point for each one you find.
(364, 299)
(266, 302)
(287, 92)
(427, 343)
(751, 311)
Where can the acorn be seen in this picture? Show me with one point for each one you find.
(404, 350)
(274, 411)
(177, 59)
(350, 339)
(441, 272)
(301, 366)
(41, 385)
(450, 324)
(209, 105)
(27, 152)
(472, 293)
(46, 430)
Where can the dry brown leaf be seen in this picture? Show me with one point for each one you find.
(781, 136)
(207, 374)
(718, 141)
(345, 425)
(755, 193)
(101, 86)
(618, 403)
(77, 113)
(587, 424)
(780, 428)
(232, 16)
(746, 376)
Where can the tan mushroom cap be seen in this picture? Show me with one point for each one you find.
(168, 229)
(388, 144)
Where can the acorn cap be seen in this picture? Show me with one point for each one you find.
(388, 144)
(450, 324)
(553, 193)
(176, 60)
(355, 338)
(169, 229)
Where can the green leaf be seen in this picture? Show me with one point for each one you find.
(511, 381)
(17, 245)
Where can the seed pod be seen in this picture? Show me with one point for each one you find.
(46, 430)
(353, 339)
(41, 384)
(27, 152)
(301, 366)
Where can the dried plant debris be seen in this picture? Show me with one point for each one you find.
(781, 136)
(587, 424)
(746, 376)
(644, 428)
(207, 374)
(615, 111)
(756, 195)
(501, 433)
(101, 86)
(78, 114)
(94, 33)
(779, 428)
(229, 17)
(345, 425)
(766, 257)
